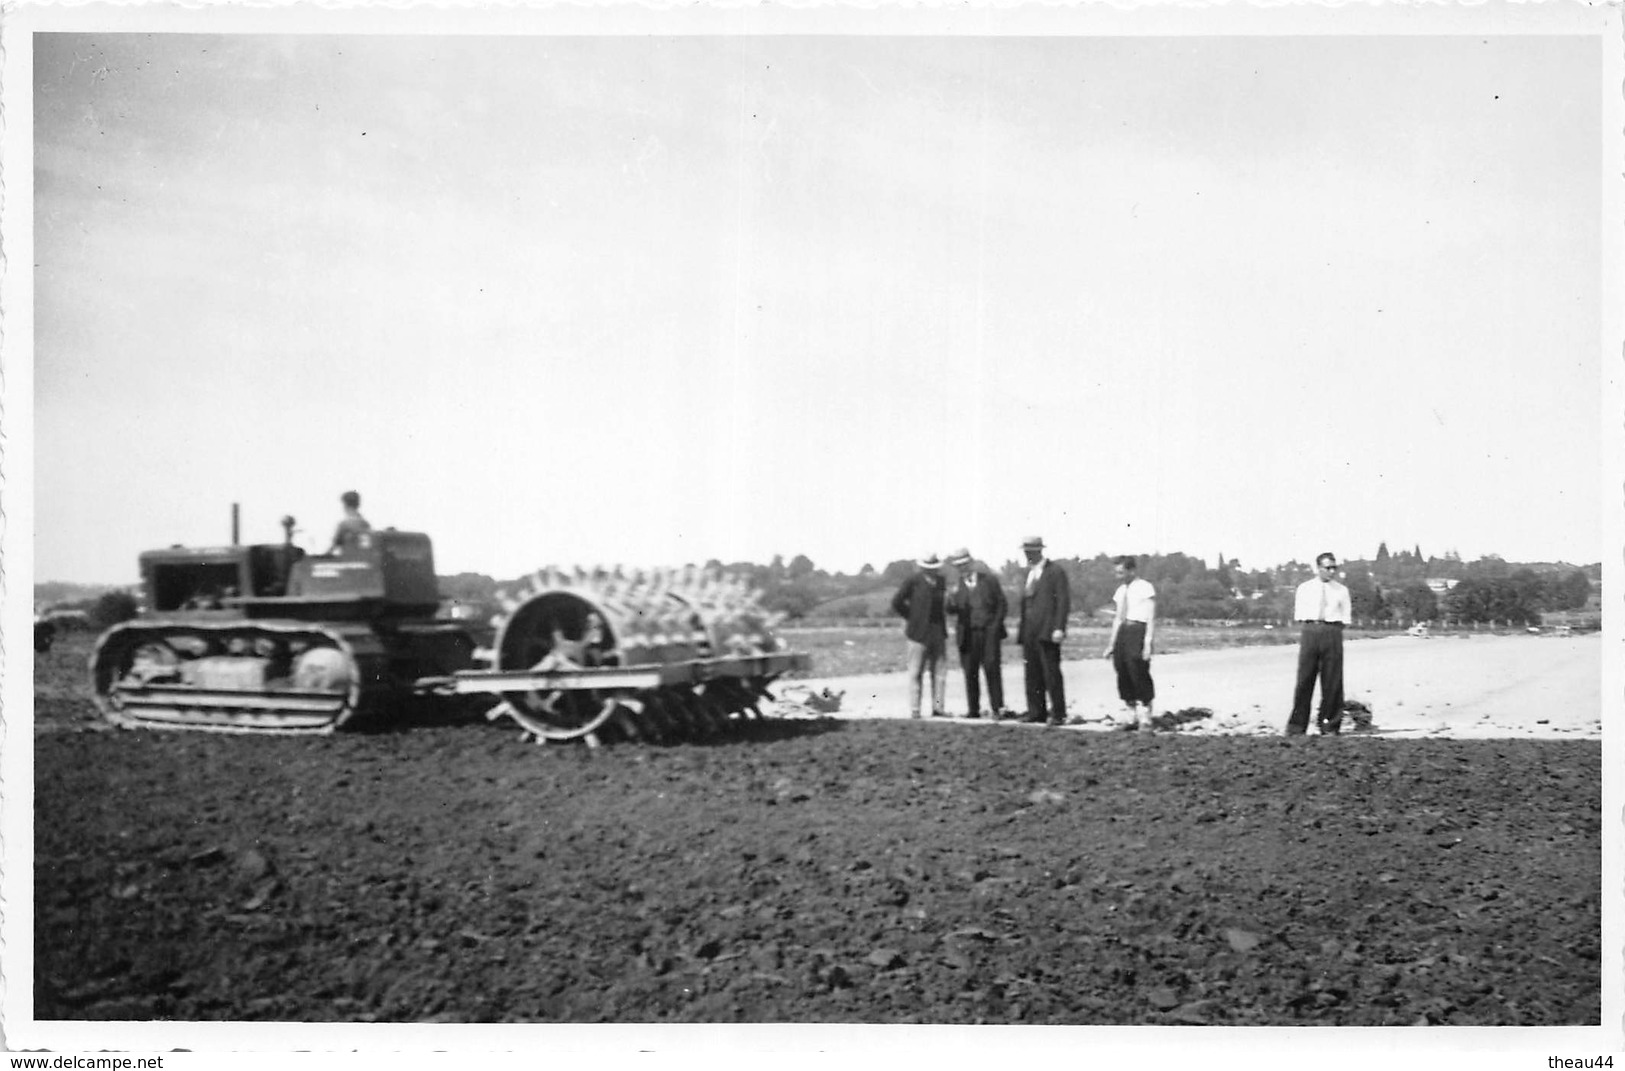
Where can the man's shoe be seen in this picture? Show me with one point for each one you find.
(914, 714)
(939, 713)
(974, 715)
(1293, 730)
(1034, 719)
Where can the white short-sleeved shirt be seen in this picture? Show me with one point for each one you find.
(1307, 604)
(1136, 600)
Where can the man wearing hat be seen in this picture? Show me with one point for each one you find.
(922, 602)
(978, 605)
(1322, 609)
(1046, 599)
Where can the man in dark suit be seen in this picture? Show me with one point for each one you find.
(1046, 599)
(922, 602)
(978, 606)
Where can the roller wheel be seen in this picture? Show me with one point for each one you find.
(561, 715)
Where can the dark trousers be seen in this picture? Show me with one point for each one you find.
(1320, 654)
(1043, 660)
(1133, 671)
(978, 655)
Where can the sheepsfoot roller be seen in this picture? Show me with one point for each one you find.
(659, 656)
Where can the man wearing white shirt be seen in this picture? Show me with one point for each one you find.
(1134, 625)
(1322, 609)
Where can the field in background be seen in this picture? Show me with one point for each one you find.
(855, 650)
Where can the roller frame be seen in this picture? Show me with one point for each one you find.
(634, 678)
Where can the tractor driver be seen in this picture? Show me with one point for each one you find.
(351, 526)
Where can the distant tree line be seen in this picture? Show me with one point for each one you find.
(1387, 587)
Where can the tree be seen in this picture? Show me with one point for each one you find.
(1382, 554)
(1449, 567)
(1172, 567)
(1569, 591)
(1490, 566)
(1365, 601)
(801, 567)
(1527, 589)
(793, 599)
(1415, 602)
(1196, 597)
(468, 587)
(113, 607)
(1478, 599)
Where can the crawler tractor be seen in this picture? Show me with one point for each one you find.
(266, 638)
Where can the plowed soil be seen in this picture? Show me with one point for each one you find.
(808, 870)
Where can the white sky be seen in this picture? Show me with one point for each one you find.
(653, 299)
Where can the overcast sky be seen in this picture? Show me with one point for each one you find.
(654, 299)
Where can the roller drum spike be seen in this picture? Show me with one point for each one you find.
(634, 719)
(697, 728)
(716, 717)
(702, 717)
(719, 715)
(651, 727)
(627, 723)
(655, 716)
(673, 721)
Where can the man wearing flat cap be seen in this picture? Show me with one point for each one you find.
(1046, 599)
(978, 606)
(922, 603)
